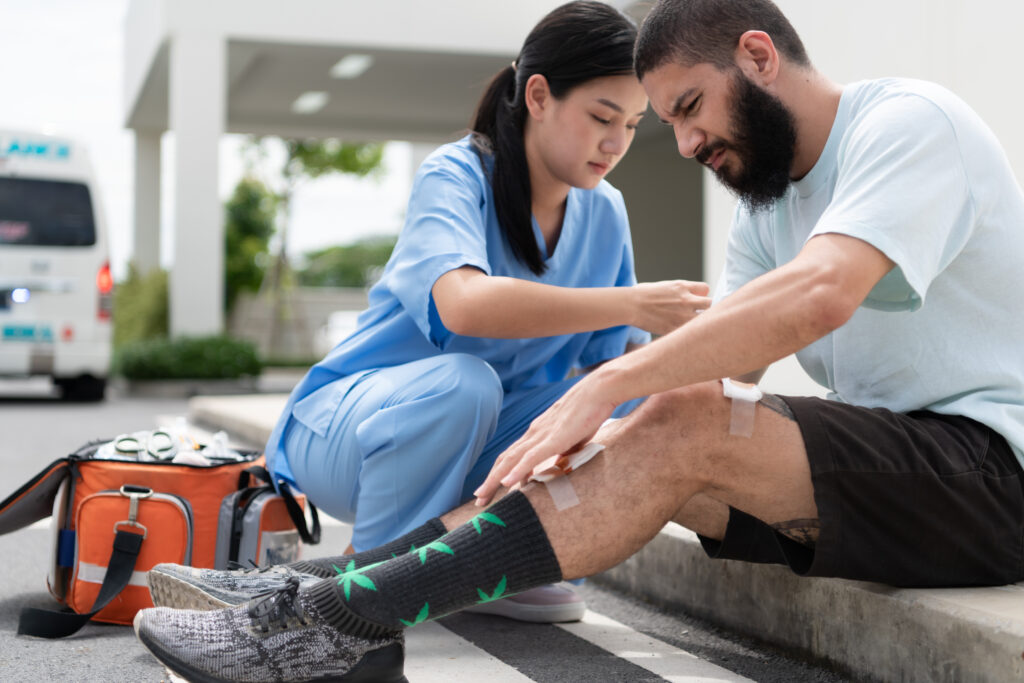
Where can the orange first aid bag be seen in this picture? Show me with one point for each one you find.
(114, 519)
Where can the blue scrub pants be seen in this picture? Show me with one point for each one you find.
(412, 442)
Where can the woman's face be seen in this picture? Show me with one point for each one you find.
(580, 138)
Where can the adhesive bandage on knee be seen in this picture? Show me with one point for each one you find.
(552, 473)
(744, 399)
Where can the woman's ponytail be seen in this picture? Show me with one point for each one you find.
(574, 43)
(498, 125)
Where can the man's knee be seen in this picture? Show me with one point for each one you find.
(689, 409)
(690, 426)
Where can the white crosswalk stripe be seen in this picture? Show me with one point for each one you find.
(433, 653)
(672, 664)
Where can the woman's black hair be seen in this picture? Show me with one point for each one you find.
(574, 43)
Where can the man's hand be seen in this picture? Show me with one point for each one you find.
(565, 427)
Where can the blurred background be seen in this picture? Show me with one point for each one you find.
(253, 159)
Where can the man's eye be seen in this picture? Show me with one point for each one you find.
(692, 107)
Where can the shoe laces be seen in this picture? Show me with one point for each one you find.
(274, 609)
(249, 567)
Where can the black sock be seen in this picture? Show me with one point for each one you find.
(502, 551)
(324, 567)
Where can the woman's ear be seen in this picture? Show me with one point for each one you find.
(537, 95)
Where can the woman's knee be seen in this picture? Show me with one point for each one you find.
(472, 380)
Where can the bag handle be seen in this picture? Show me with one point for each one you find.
(44, 623)
(307, 534)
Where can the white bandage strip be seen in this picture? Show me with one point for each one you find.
(557, 465)
(563, 495)
(552, 473)
(744, 403)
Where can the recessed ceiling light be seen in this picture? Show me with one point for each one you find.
(352, 66)
(310, 102)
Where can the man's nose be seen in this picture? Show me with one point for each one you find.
(688, 139)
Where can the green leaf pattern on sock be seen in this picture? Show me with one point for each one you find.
(350, 575)
(436, 545)
(420, 618)
(487, 517)
(499, 592)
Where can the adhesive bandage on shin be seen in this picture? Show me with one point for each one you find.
(744, 399)
(552, 473)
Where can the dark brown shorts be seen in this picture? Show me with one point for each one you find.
(917, 499)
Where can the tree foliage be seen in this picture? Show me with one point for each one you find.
(353, 265)
(248, 225)
(140, 306)
(314, 158)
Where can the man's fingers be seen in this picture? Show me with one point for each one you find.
(501, 466)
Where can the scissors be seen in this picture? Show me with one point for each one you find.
(158, 445)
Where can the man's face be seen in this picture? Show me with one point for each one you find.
(744, 134)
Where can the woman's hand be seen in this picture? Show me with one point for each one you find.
(661, 307)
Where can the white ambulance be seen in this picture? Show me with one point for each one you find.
(56, 289)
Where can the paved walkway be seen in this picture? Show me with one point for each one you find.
(458, 648)
(874, 631)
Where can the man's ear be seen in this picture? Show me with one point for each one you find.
(537, 95)
(757, 57)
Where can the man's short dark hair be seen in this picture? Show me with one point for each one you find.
(707, 31)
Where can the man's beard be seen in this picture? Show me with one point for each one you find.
(764, 140)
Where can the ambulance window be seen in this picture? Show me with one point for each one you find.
(45, 213)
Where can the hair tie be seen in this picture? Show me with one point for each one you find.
(514, 67)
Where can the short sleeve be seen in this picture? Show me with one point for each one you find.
(445, 229)
(745, 256)
(611, 342)
(902, 188)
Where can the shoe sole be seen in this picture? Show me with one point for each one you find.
(170, 591)
(535, 614)
(377, 666)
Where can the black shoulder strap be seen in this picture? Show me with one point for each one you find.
(307, 534)
(44, 623)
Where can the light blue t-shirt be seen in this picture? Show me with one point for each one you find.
(913, 171)
(451, 222)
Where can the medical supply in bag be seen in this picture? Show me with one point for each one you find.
(121, 506)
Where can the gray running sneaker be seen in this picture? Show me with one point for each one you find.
(184, 587)
(280, 636)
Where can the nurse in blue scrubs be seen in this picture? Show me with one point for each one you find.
(514, 269)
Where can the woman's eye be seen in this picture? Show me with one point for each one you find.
(603, 122)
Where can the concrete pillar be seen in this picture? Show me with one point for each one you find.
(664, 201)
(146, 251)
(197, 117)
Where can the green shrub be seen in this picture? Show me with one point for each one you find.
(188, 358)
(140, 307)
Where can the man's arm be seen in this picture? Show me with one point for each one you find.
(767, 319)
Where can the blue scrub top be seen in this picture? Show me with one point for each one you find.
(450, 223)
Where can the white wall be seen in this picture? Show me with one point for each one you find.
(970, 47)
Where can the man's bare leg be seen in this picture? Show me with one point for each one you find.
(674, 459)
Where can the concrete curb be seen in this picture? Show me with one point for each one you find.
(249, 419)
(874, 632)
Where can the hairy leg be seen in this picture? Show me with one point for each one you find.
(674, 459)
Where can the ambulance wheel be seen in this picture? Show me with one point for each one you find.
(82, 388)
